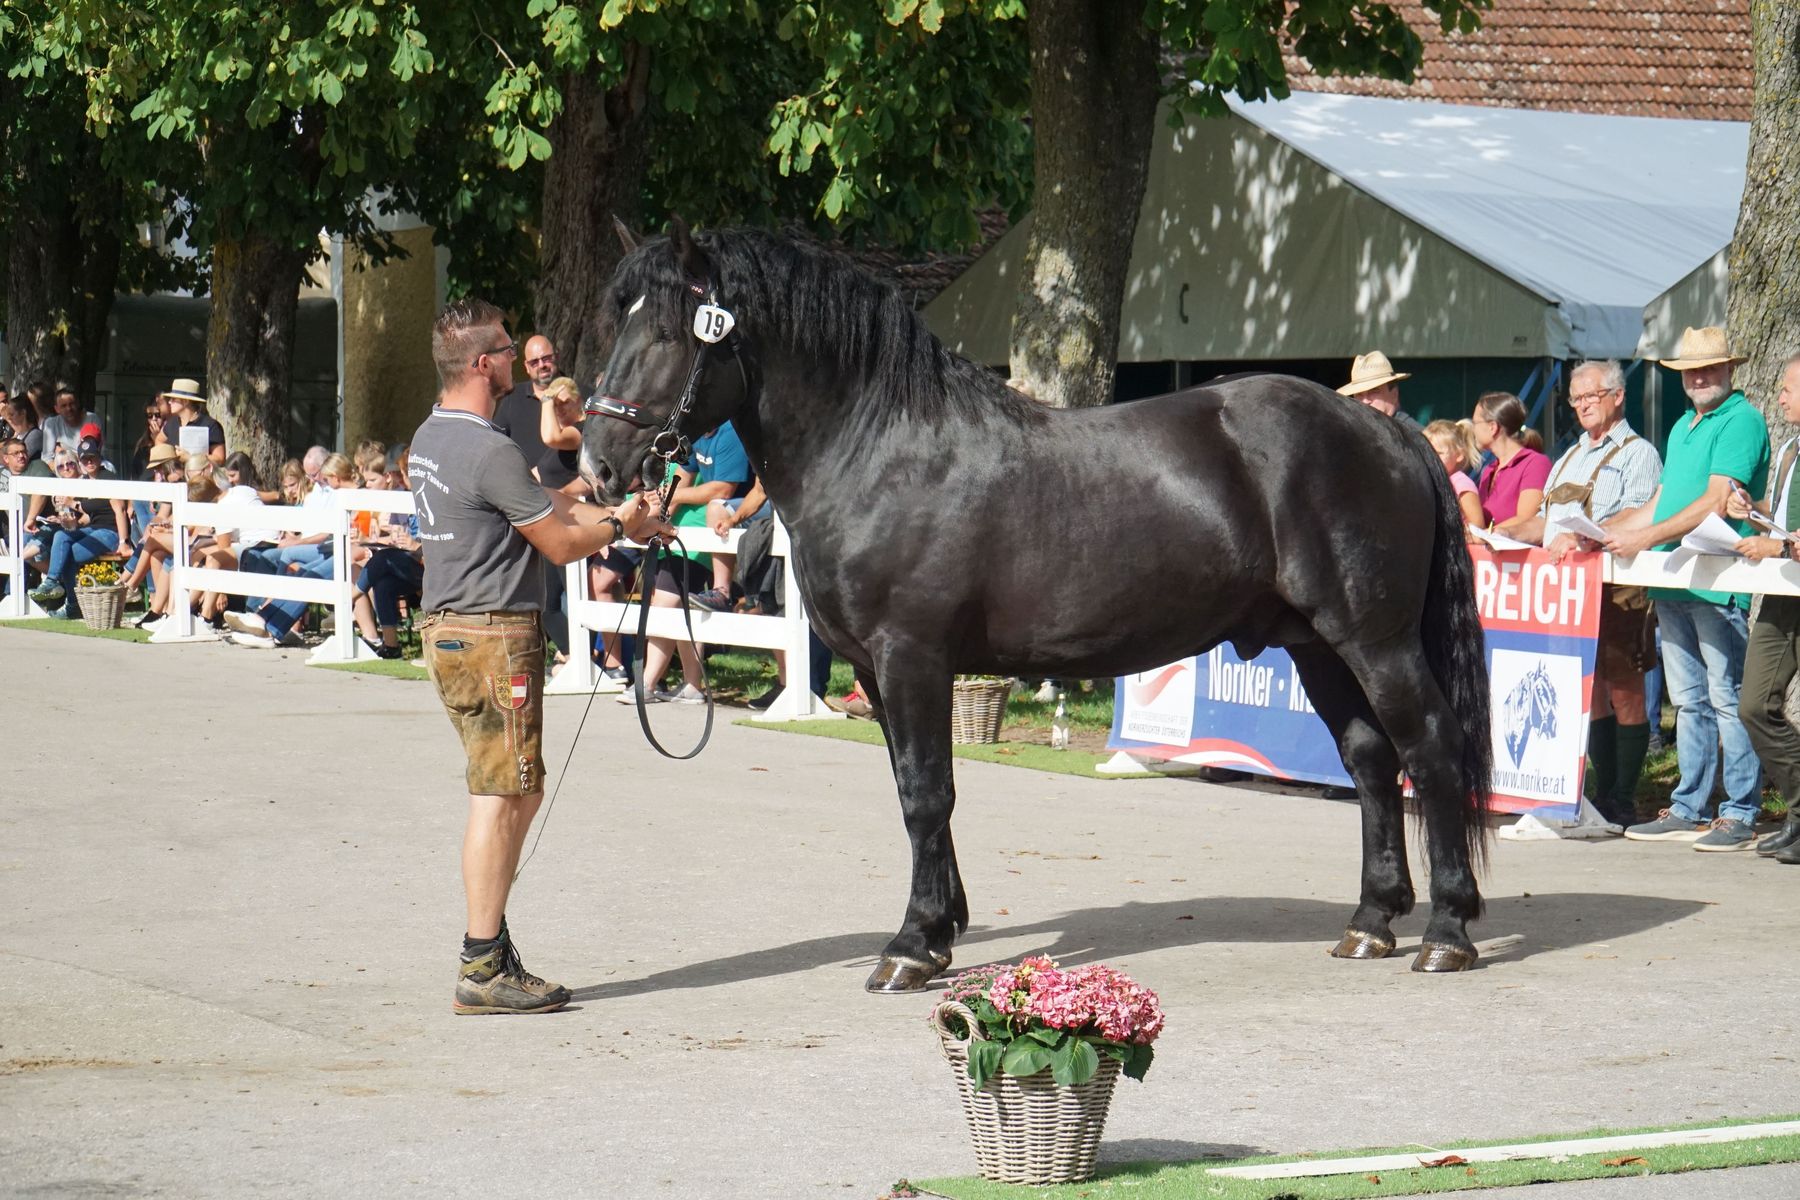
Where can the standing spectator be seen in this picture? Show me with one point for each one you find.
(1704, 634)
(64, 428)
(1375, 383)
(86, 529)
(1512, 486)
(1769, 655)
(1609, 469)
(22, 420)
(486, 524)
(519, 416)
(560, 428)
(186, 403)
(1456, 449)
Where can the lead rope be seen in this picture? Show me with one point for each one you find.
(654, 550)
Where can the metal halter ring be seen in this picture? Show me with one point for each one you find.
(671, 447)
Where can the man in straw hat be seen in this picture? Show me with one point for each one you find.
(1722, 444)
(1374, 382)
(186, 401)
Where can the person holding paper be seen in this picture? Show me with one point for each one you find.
(1608, 470)
(1724, 442)
(1769, 657)
(197, 433)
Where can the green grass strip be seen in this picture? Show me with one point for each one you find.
(1009, 754)
(394, 668)
(1194, 1181)
(75, 629)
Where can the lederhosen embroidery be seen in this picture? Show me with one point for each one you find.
(1582, 493)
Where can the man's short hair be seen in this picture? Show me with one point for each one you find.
(460, 335)
(67, 389)
(8, 443)
(314, 459)
(1792, 360)
(1612, 372)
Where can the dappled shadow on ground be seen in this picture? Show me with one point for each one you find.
(1537, 923)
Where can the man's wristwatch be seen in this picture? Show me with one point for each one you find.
(618, 527)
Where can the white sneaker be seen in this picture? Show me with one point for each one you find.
(251, 640)
(246, 623)
(629, 696)
(689, 694)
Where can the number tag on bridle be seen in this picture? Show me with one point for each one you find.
(712, 323)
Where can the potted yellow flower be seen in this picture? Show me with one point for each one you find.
(101, 594)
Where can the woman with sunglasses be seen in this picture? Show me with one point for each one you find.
(85, 529)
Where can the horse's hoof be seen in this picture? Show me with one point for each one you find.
(1356, 944)
(893, 976)
(1437, 957)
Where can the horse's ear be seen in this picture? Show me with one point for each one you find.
(625, 238)
(692, 259)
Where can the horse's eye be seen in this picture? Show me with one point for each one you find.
(664, 334)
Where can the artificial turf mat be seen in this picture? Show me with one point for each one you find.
(1193, 1180)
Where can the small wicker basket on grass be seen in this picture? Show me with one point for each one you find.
(1031, 1130)
(977, 710)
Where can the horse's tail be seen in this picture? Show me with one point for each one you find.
(1456, 649)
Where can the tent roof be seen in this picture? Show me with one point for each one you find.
(1322, 225)
(1600, 214)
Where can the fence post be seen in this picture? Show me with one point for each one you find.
(343, 645)
(796, 702)
(578, 676)
(17, 605)
(179, 625)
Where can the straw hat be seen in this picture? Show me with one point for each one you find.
(161, 453)
(1370, 371)
(185, 389)
(1702, 348)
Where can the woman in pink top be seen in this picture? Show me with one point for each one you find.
(1512, 486)
(1454, 442)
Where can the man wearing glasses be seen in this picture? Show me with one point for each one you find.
(519, 416)
(1608, 470)
(488, 529)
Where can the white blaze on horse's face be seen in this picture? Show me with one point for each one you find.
(632, 311)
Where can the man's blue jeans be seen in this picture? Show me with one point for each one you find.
(1703, 662)
(315, 562)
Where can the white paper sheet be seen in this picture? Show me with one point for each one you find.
(1499, 541)
(1577, 524)
(1713, 536)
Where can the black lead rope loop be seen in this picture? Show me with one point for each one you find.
(654, 550)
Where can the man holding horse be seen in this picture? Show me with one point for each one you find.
(1609, 469)
(1722, 445)
(488, 528)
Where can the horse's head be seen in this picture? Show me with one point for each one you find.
(676, 370)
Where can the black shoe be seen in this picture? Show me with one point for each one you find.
(1788, 835)
(1339, 793)
(763, 702)
(1790, 856)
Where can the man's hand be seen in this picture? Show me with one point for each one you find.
(1758, 548)
(1626, 542)
(719, 519)
(1737, 505)
(641, 519)
(1563, 545)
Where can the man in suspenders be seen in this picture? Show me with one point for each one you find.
(1608, 470)
(1769, 656)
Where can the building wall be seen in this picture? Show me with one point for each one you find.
(389, 383)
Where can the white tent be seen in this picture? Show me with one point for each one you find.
(1323, 225)
(1699, 299)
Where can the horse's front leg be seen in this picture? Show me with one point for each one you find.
(914, 703)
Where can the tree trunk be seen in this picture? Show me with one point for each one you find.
(595, 170)
(1094, 88)
(61, 272)
(1765, 253)
(250, 344)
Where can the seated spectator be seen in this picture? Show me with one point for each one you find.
(65, 427)
(723, 469)
(23, 424)
(275, 558)
(157, 534)
(86, 529)
(156, 414)
(38, 529)
(265, 624)
(186, 405)
(202, 488)
(1512, 486)
(242, 492)
(1456, 449)
(312, 461)
(393, 572)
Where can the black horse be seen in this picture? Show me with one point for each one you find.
(944, 523)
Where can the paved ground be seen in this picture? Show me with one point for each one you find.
(231, 909)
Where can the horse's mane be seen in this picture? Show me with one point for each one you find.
(816, 304)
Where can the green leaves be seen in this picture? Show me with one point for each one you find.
(1026, 1056)
(1074, 1061)
(984, 1061)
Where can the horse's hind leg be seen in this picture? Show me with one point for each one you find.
(913, 698)
(1405, 696)
(1387, 888)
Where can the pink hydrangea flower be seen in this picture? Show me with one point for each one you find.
(1092, 999)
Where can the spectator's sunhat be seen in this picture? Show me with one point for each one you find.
(1702, 348)
(1370, 371)
(90, 447)
(184, 389)
(162, 453)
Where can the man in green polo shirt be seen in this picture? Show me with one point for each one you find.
(1723, 441)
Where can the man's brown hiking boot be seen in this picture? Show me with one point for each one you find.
(497, 982)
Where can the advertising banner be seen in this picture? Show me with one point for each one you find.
(1541, 620)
